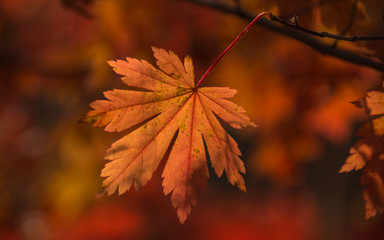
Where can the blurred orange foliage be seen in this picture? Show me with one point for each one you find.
(53, 63)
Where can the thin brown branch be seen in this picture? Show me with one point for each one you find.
(350, 22)
(297, 26)
(301, 36)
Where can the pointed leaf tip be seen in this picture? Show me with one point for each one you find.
(88, 120)
(100, 193)
(242, 187)
(112, 63)
(359, 103)
(252, 124)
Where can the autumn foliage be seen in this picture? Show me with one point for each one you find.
(310, 77)
(367, 154)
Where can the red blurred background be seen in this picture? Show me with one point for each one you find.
(53, 64)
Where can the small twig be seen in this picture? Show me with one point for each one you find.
(296, 25)
(350, 22)
(351, 18)
(310, 41)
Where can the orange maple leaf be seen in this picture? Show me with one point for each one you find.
(368, 154)
(173, 105)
